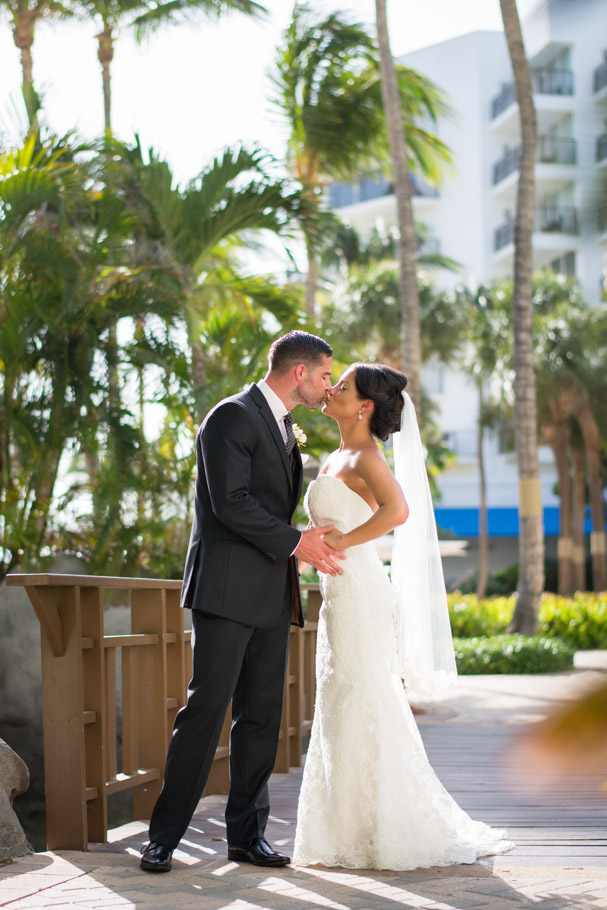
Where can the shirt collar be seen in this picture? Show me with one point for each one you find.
(277, 406)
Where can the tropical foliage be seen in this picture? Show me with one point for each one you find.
(327, 87)
(128, 304)
(90, 240)
(512, 654)
(580, 619)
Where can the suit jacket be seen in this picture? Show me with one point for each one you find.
(246, 493)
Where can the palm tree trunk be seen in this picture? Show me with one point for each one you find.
(139, 336)
(23, 36)
(113, 381)
(483, 534)
(531, 531)
(557, 437)
(311, 282)
(407, 278)
(105, 55)
(579, 510)
(591, 436)
(199, 377)
(44, 485)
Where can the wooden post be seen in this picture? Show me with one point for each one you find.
(148, 615)
(295, 694)
(309, 670)
(93, 672)
(176, 658)
(282, 753)
(111, 758)
(130, 710)
(63, 720)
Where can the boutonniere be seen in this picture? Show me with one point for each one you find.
(300, 436)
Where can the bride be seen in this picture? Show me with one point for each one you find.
(369, 797)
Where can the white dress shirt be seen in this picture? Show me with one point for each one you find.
(278, 410)
(276, 406)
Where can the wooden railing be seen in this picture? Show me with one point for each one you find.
(79, 694)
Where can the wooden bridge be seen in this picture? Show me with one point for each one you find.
(79, 693)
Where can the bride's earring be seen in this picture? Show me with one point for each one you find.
(360, 414)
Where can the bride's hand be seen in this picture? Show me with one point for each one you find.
(334, 539)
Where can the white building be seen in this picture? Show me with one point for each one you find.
(471, 215)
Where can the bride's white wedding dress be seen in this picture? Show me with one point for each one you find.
(369, 797)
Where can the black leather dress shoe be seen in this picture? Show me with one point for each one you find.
(257, 852)
(156, 858)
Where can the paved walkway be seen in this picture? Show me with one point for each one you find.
(561, 830)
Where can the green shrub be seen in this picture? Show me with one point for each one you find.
(473, 617)
(580, 620)
(512, 654)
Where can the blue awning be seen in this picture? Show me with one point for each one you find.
(502, 522)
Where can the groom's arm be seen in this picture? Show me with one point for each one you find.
(227, 445)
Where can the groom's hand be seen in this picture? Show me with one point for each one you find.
(313, 550)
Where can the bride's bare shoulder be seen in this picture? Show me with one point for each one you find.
(370, 457)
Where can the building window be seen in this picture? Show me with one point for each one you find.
(462, 443)
(564, 265)
(433, 378)
(341, 194)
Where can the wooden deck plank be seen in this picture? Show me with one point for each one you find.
(553, 822)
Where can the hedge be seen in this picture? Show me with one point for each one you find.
(580, 619)
(512, 654)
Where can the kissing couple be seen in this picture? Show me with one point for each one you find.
(369, 797)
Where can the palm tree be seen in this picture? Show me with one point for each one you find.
(111, 14)
(25, 15)
(569, 364)
(191, 230)
(47, 338)
(327, 87)
(408, 294)
(367, 315)
(69, 267)
(486, 320)
(531, 531)
(146, 16)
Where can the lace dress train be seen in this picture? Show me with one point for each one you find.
(369, 797)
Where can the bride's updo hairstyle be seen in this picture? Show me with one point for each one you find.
(383, 385)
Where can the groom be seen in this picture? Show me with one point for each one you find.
(242, 586)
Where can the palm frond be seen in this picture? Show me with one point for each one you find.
(191, 11)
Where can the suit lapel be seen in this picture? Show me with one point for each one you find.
(266, 412)
(297, 476)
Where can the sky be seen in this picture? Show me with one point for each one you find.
(190, 90)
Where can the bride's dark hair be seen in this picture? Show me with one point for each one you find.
(383, 385)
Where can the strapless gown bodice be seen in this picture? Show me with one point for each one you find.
(369, 797)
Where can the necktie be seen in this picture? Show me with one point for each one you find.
(290, 434)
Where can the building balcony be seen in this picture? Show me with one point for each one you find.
(601, 149)
(428, 246)
(507, 164)
(543, 82)
(342, 195)
(550, 150)
(546, 221)
(599, 77)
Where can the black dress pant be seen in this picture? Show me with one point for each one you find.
(247, 665)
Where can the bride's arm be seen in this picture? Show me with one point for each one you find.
(387, 492)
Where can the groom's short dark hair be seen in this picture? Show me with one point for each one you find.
(297, 347)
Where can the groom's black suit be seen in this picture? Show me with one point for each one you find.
(243, 589)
